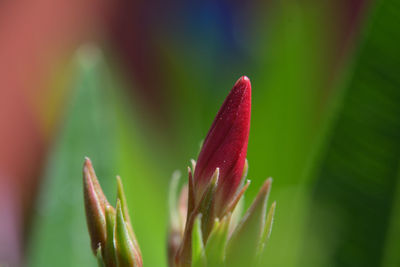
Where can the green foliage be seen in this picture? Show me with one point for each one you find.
(356, 187)
(60, 235)
(96, 125)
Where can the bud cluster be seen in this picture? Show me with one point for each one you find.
(112, 237)
(206, 227)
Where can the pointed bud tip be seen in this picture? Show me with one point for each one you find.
(266, 186)
(119, 181)
(193, 162)
(242, 90)
(94, 207)
(215, 178)
(244, 79)
(176, 175)
(118, 206)
(87, 161)
(243, 82)
(109, 209)
(87, 166)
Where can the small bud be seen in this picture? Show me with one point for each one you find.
(94, 206)
(112, 237)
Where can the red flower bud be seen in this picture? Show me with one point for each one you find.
(225, 146)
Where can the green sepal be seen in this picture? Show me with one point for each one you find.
(236, 215)
(231, 207)
(206, 206)
(122, 199)
(245, 172)
(197, 244)
(184, 254)
(267, 228)
(244, 243)
(99, 257)
(124, 247)
(174, 238)
(109, 249)
(125, 211)
(173, 200)
(216, 243)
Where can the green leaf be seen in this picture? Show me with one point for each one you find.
(88, 129)
(356, 186)
(392, 243)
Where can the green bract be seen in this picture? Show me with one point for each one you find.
(227, 241)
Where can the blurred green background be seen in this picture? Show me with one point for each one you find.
(135, 85)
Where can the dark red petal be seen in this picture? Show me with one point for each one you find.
(225, 146)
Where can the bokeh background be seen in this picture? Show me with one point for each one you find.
(135, 85)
